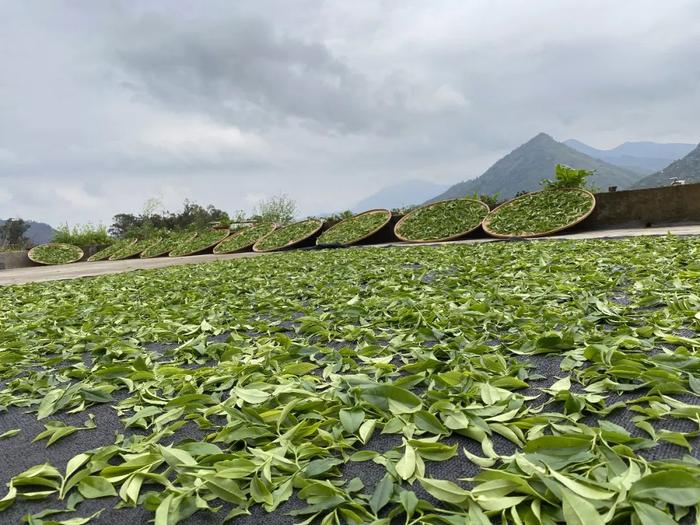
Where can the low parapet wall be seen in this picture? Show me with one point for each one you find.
(646, 207)
(18, 259)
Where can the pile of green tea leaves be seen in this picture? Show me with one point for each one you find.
(288, 235)
(244, 238)
(442, 220)
(110, 250)
(55, 253)
(133, 249)
(538, 213)
(166, 244)
(528, 383)
(355, 228)
(202, 241)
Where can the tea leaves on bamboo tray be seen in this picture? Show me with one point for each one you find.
(166, 244)
(131, 250)
(442, 220)
(244, 238)
(539, 213)
(55, 253)
(354, 228)
(288, 235)
(202, 241)
(110, 250)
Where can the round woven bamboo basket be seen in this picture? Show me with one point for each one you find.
(272, 228)
(441, 239)
(200, 249)
(78, 254)
(134, 253)
(363, 237)
(294, 242)
(93, 259)
(487, 221)
(164, 251)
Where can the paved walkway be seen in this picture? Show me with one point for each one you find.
(86, 269)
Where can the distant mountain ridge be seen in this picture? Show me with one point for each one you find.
(400, 195)
(38, 232)
(687, 169)
(643, 157)
(524, 167)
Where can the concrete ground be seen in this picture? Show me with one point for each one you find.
(87, 269)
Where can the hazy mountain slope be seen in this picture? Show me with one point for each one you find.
(524, 168)
(687, 168)
(400, 195)
(38, 232)
(643, 157)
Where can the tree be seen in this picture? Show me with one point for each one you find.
(279, 209)
(149, 222)
(12, 233)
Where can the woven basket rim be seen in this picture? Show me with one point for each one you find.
(30, 253)
(486, 222)
(360, 239)
(441, 239)
(240, 232)
(293, 242)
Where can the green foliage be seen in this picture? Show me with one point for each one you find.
(147, 225)
(279, 209)
(567, 177)
(354, 228)
(202, 241)
(490, 200)
(276, 372)
(340, 216)
(442, 220)
(82, 235)
(537, 213)
(244, 238)
(288, 235)
(55, 253)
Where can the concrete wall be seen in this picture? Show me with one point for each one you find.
(14, 260)
(646, 207)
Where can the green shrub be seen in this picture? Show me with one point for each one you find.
(82, 235)
(567, 177)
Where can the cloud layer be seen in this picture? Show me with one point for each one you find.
(103, 105)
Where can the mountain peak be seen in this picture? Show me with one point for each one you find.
(541, 137)
(524, 168)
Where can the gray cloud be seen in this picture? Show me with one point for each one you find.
(103, 105)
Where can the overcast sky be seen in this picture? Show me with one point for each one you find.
(104, 104)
